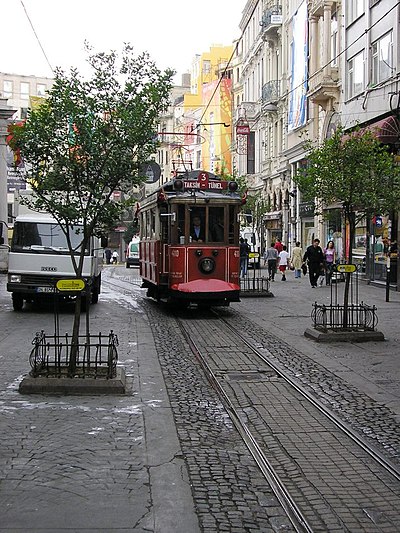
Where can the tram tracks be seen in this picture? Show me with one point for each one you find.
(322, 478)
(319, 505)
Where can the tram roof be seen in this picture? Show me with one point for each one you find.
(190, 187)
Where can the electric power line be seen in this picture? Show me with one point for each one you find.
(37, 38)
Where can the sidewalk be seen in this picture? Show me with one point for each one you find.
(372, 367)
(90, 463)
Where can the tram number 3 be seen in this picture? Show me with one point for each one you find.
(203, 180)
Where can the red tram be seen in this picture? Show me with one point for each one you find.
(189, 240)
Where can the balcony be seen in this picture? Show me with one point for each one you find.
(271, 21)
(247, 111)
(323, 86)
(270, 92)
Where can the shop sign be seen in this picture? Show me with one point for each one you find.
(306, 209)
(346, 268)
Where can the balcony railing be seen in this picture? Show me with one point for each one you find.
(270, 92)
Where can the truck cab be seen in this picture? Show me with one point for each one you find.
(39, 256)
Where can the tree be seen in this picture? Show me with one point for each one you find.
(358, 172)
(89, 139)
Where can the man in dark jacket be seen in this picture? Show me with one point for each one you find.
(314, 257)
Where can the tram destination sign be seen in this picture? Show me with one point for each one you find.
(210, 185)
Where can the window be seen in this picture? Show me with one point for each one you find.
(355, 8)
(334, 40)
(251, 153)
(7, 89)
(355, 75)
(40, 89)
(382, 58)
(24, 87)
(206, 66)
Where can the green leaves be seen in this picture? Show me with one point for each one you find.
(91, 135)
(354, 170)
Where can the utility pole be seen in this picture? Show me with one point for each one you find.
(6, 112)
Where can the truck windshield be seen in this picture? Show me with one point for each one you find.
(37, 237)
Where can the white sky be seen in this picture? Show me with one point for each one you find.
(172, 31)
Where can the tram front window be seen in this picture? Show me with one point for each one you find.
(216, 224)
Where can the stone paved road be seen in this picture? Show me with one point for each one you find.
(77, 464)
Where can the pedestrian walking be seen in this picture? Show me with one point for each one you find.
(283, 262)
(330, 260)
(278, 245)
(297, 260)
(244, 256)
(271, 258)
(108, 254)
(115, 257)
(314, 257)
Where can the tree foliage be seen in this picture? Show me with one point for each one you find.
(355, 170)
(88, 139)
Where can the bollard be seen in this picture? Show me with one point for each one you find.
(387, 277)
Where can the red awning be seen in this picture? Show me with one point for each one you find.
(386, 130)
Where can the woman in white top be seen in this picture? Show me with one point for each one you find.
(283, 262)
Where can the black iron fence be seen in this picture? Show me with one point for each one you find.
(354, 317)
(252, 286)
(96, 356)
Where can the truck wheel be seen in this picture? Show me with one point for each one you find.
(18, 301)
(95, 295)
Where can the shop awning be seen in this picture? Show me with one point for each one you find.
(387, 130)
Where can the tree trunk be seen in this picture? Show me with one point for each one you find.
(74, 350)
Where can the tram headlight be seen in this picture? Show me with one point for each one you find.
(178, 185)
(207, 265)
(232, 186)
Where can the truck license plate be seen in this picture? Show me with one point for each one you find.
(44, 289)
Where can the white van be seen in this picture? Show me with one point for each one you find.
(132, 253)
(255, 245)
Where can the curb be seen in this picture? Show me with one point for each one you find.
(343, 336)
(53, 385)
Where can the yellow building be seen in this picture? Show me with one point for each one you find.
(207, 112)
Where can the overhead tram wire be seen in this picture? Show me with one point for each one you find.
(225, 69)
(37, 38)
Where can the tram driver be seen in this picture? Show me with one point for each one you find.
(197, 229)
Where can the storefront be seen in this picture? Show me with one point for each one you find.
(273, 226)
(308, 231)
(381, 248)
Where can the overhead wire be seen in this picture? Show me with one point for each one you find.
(36, 36)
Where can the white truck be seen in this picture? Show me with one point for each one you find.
(253, 240)
(39, 257)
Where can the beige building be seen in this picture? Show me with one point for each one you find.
(18, 90)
